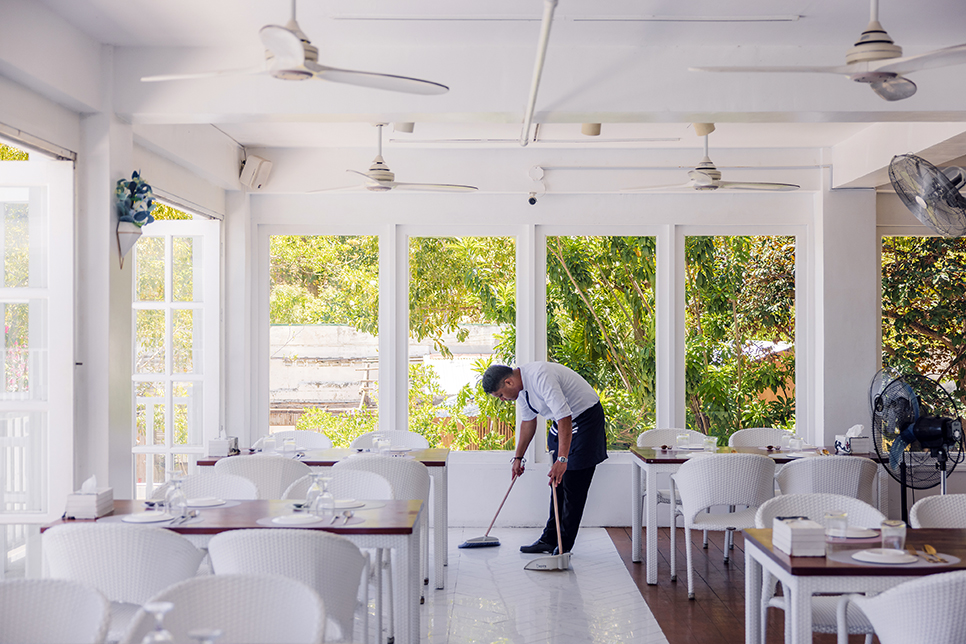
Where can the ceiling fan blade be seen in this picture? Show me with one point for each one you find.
(283, 43)
(955, 55)
(337, 189)
(374, 80)
(361, 174)
(260, 69)
(666, 188)
(894, 89)
(838, 69)
(757, 185)
(432, 187)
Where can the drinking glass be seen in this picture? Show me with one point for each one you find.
(683, 440)
(796, 444)
(175, 501)
(836, 523)
(159, 635)
(710, 443)
(324, 505)
(288, 447)
(205, 635)
(381, 444)
(314, 491)
(786, 441)
(268, 445)
(893, 534)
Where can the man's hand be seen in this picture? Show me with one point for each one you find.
(556, 472)
(518, 467)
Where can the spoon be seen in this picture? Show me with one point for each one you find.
(346, 515)
(932, 551)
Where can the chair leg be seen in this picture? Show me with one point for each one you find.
(377, 562)
(392, 618)
(674, 548)
(365, 601)
(767, 592)
(729, 534)
(687, 549)
(705, 543)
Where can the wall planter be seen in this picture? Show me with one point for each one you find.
(134, 201)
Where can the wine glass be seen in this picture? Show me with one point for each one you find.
(175, 501)
(314, 490)
(159, 635)
(205, 635)
(324, 505)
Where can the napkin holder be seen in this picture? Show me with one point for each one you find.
(223, 446)
(90, 506)
(798, 536)
(860, 444)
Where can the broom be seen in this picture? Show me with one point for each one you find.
(486, 541)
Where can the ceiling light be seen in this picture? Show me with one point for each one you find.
(403, 127)
(590, 129)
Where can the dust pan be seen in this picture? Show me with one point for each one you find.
(553, 562)
(486, 541)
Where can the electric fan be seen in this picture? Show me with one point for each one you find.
(915, 426)
(931, 194)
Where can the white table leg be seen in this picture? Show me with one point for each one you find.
(406, 588)
(650, 503)
(440, 524)
(636, 518)
(752, 599)
(800, 603)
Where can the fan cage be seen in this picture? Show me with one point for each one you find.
(929, 195)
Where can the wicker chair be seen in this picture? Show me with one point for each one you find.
(331, 565)
(848, 475)
(756, 437)
(814, 506)
(52, 611)
(943, 511)
(248, 609)
(720, 479)
(396, 439)
(928, 609)
(346, 484)
(129, 564)
(271, 474)
(304, 439)
(213, 485)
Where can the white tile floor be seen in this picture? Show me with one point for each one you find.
(489, 597)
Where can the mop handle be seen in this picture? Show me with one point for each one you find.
(556, 518)
(512, 481)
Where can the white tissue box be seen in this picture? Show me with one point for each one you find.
(861, 444)
(90, 506)
(223, 446)
(798, 537)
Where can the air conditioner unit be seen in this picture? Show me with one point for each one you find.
(254, 172)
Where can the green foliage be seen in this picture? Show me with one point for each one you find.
(9, 153)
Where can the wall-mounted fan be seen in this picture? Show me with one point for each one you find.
(875, 59)
(289, 55)
(380, 179)
(915, 426)
(705, 176)
(931, 194)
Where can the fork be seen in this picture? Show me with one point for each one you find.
(932, 553)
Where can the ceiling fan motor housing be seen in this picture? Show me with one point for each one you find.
(874, 44)
(311, 53)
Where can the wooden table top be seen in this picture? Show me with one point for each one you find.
(675, 456)
(946, 541)
(393, 517)
(432, 457)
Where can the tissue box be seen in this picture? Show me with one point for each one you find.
(90, 506)
(223, 446)
(861, 444)
(798, 537)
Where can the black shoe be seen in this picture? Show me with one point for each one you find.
(537, 547)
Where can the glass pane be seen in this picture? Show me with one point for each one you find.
(149, 341)
(149, 396)
(149, 270)
(324, 312)
(462, 294)
(23, 231)
(149, 474)
(601, 324)
(16, 245)
(187, 414)
(740, 317)
(186, 329)
(22, 461)
(186, 267)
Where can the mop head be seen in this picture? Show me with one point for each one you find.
(480, 542)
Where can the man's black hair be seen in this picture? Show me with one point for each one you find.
(494, 376)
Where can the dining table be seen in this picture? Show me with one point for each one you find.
(377, 524)
(837, 572)
(435, 460)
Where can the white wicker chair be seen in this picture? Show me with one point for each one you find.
(346, 484)
(720, 479)
(396, 439)
(814, 506)
(757, 437)
(409, 479)
(331, 565)
(304, 439)
(248, 609)
(271, 474)
(129, 564)
(928, 609)
(942, 511)
(216, 485)
(52, 611)
(849, 475)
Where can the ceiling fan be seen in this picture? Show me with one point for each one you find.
(705, 176)
(875, 59)
(380, 178)
(289, 55)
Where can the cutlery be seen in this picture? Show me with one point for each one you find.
(933, 553)
(346, 515)
(332, 522)
(912, 551)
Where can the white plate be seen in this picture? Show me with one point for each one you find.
(854, 532)
(205, 502)
(147, 517)
(883, 556)
(344, 504)
(400, 450)
(295, 519)
(692, 448)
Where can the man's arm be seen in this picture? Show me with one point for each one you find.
(527, 429)
(564, 434)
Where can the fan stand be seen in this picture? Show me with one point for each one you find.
(941, 454)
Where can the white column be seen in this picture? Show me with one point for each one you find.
(241, 395)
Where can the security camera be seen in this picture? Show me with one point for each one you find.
(532, 199)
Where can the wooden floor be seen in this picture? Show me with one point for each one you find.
(717, 614)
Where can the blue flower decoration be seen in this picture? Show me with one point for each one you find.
(134, 200)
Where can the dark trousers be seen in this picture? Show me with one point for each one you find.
(571, 495)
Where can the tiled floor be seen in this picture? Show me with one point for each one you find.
(489, 597)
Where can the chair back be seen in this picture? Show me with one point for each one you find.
(216, 485)
(815, 505)
(928, 609)
(724, 479)
(941, 511)
(849, 475)
(304, 439)
(346, 484)
(270, 473)
(659, 436)
(52, 611)
(248, 609)
(408, 479)
(756, 437)
(396, 439)
(127, 563)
